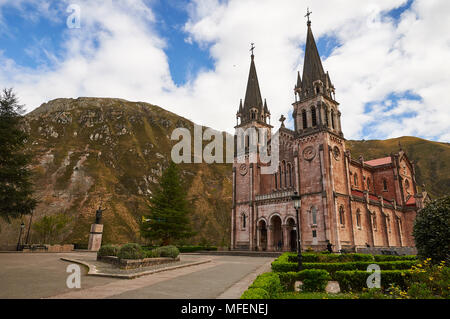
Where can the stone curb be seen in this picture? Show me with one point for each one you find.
(94, 272)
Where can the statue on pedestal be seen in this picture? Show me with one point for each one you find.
(98, 214)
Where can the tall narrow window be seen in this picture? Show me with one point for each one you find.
(313, 116)
(341, 215)
(244, 221)
(314, 215)
(332, 119)
(385, 188)
(368, 184)
(358, 218)
(290, 174)
(276, 180)
(305, 122)
(280, 174)
(285, 174)
(374, 221)
(355, 179)
(326, 117)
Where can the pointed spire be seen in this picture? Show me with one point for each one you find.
(240, 107)
(253, 94)
(312, 67)
(299, 81)
(266, 109)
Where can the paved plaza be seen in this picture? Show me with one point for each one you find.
(43, 275)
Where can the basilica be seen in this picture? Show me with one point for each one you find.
(359, 205)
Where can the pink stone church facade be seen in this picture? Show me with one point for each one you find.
(355, 204)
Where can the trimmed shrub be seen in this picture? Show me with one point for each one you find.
(268, 281)
(288, 279)
(329, 258)
(154, 253)
(394, 258)
(168, 251)
(314, 279)
(282, 266)
(356, 280)
(255, 293)
(108, 250)
(131, 251)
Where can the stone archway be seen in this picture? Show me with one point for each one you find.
(277, 234)
(291, 234)
(262, 235)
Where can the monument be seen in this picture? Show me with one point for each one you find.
(95, 236)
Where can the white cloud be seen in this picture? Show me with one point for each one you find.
(118, 53)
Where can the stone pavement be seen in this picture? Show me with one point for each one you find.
(43, 275)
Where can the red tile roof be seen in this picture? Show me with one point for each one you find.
(379, 161)
(411, 201)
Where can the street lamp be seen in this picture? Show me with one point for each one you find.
(297, 204)
(22, 226)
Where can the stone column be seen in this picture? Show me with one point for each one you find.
(95, 237)
(285, 230)
(270, 238)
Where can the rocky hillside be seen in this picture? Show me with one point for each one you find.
(92, 150)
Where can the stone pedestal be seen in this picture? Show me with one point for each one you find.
(95, 237)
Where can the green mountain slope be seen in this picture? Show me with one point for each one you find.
(93, 150)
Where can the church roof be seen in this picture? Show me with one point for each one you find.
(379, 161)
(253, 94)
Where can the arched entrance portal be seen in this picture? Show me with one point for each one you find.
(262, 229)
(277, 235)
(292, 234)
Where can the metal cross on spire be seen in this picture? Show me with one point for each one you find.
(308, 13)
(252, 47)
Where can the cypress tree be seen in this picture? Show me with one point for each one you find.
(168, 219)
(15, 184)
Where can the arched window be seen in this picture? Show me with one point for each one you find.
(374, 221)
(285, 174)
(385, 188)
(332, 119)
(355, 179)
(326, 117)
(314, 215)
(313, 116)
(358, 218)
(305, 122)
(244, 220)
(341, 215)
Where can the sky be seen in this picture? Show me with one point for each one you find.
(388, 59)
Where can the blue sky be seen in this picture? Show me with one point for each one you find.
(194, 57)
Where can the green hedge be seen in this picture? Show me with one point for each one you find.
(329, 258)
(356, 280)
(255, 293)
(108, 250)
(168, 251)
(313, 279)
(131, 251)
(394, 258)
(280, 266)
(269, 281)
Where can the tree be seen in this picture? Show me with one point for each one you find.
(432, 230)
(15, 184)
(168, 219)
(49, 228)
